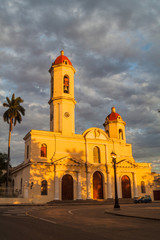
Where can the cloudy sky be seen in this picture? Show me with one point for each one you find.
(115, 47)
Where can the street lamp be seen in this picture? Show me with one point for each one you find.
(116, 203)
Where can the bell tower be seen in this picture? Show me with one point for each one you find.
(62, 102)
(115, 126)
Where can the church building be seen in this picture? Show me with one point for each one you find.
(61, 165)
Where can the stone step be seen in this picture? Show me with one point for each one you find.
(91, 201)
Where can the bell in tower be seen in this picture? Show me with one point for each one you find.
(66, 84)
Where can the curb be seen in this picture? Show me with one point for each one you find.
(21, 205)
(132, 216)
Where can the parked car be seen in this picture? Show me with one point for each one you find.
(144, 199)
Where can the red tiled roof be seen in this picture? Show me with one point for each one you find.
(113, 116)
(61, 59)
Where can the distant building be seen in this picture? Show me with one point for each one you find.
(156, 186)
(61, 165)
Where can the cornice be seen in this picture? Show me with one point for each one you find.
(20, 167)
(60, 98)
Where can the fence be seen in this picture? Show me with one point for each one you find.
(10, 193)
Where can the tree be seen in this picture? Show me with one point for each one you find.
(12, 116)
(3, 167)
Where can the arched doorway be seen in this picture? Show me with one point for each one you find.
(97, 186)
(67, 187)
(126, 187)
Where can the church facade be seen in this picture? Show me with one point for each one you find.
(61, 165)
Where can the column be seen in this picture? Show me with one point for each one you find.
(88, 185)
(119, 187)
(79, 186)
(109, 185)
(135, 185)
(25, 190)
(56, 186)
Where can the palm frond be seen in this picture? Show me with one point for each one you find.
(17, 118)
(21, 110)
(5, 105)
(13, 96)
(6, 117)
(8, 100)
(19, 100)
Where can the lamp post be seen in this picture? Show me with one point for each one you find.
(116, 203)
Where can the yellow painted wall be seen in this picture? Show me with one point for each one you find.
(61, 151)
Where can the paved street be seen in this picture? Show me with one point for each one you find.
(77, 222)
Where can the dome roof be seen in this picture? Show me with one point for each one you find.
(113, 115)
(62, 59)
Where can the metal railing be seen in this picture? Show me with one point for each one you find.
(10, 193)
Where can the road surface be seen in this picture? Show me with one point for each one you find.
(79, 222)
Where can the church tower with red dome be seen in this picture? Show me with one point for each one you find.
(115, 126)
(62, 102)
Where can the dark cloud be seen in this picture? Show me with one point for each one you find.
(114, 46)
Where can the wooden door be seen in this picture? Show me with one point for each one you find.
(97, 186)
(126, 187)
(67, 187)
(156, 194)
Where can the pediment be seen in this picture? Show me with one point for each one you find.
(67, 161)
(95, 133)
(125, 163)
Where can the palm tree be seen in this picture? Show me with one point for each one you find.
(11, 116)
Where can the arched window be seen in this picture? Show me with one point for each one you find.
(43, 150)
(44, 187)
(96, 155)
(66, 84)
(120, 134)
(143, 187)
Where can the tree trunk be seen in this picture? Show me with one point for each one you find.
(8, 161)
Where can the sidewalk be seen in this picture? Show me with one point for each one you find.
(144, 211)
